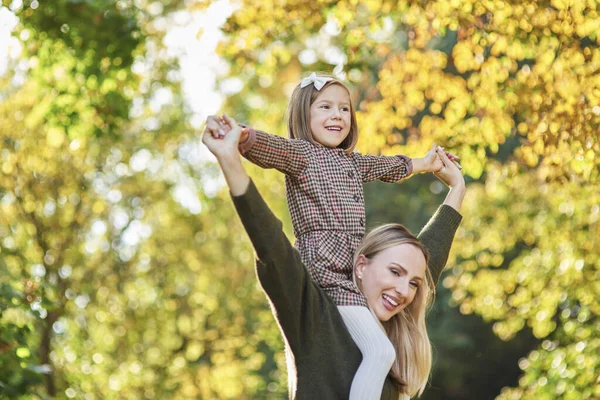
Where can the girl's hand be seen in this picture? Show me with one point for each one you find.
(222, 136)
(430, 163)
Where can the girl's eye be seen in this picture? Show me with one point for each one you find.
(325, 106)
(415, 285)
(395, 272)
(345, 109)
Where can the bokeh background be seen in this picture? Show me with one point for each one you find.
(124, 271)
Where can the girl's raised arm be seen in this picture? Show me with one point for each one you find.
(290, 156)
(396, 168)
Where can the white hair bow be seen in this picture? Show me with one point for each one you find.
(318, 81)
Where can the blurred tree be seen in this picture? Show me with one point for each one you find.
(107, 289)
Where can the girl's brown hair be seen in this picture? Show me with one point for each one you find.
(406, 330)
(298, 113)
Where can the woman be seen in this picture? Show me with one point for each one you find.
(322, 357)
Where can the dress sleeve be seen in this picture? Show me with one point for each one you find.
(383, 168)
(437, 236)
(294, 297)
(290, 156)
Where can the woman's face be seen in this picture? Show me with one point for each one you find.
(391, 278)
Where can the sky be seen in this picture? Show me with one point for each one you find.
(9, 46)
(200, 66)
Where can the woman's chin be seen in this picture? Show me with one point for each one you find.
(383, 315)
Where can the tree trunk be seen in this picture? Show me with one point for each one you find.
(45, 348)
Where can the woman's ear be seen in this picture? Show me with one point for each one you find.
(359, 266)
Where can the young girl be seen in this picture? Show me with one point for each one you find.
(323, 178)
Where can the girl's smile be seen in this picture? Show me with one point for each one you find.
(330, 116)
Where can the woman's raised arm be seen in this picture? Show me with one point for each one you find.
(439, 232)
(453, 178)
(225, 149)
(296, 298)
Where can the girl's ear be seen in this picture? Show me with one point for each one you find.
(359, 266)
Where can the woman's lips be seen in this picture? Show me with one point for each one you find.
(387, 303)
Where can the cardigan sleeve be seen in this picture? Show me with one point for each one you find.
(382, 168)
(437, 236)
(294, 297)
(290, 156)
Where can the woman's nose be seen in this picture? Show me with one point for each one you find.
(402, 288)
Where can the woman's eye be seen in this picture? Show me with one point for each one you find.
(325, 107)
(395, 272)
(415, 285)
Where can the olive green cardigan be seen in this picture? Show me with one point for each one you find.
(321, 356)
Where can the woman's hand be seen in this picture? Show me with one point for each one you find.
(216, 126)
(449, 173)
(222, 136)
(451, 176)
(453, 158)
(225, 148)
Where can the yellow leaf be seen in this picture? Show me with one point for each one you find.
(560, 4)
(23, 352)
(55, 137)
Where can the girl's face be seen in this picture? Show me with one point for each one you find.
(391, 278)
(330, 116)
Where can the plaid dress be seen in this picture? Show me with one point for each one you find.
(325, 198)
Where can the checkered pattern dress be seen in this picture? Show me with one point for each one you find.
(325, 198)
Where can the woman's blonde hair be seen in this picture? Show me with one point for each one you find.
(406, 330)
(298, 113)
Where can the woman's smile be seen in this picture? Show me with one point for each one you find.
(389, 302)
(391, 279)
